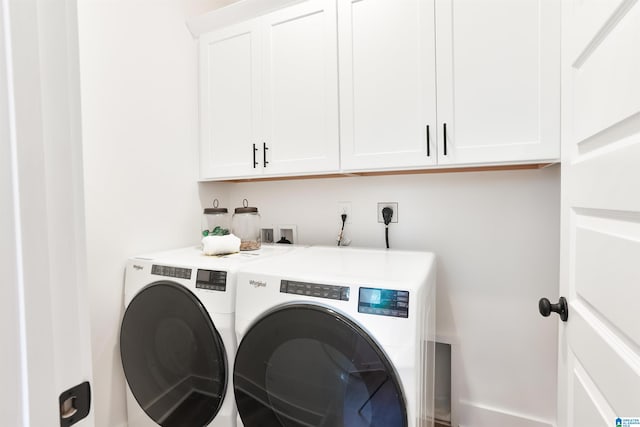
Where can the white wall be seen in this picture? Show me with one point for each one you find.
(139, 107)
(496, 235)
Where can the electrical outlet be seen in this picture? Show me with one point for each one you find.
(266, 235)
(392, 205)
(344, 208)
(288, 233)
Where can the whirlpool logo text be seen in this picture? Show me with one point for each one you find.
(258, 283)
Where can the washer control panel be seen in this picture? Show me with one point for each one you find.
(315, 290)
(212, 280)
(167, 271)
(383, 302)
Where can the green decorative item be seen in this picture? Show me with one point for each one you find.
(219, 231)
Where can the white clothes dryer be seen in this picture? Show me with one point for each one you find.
(336, 337)
(177, 341)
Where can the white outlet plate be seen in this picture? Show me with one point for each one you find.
(392, 205)
(289, 232)
(344, 208)
(267, 235)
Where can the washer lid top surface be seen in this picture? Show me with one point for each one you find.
(350, 265)
(307, 365)
(194, 258)
(173, 357)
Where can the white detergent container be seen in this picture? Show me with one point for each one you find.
(177, 340)
(338, 337)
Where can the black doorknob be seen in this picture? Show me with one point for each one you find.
(562, 308)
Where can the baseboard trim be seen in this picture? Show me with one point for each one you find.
(477, 415)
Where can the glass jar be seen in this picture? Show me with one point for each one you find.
(246, 226)
(215, 221)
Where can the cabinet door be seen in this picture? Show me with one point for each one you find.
(387, 84)
(230, 101)
(498, 80)
(300, 89)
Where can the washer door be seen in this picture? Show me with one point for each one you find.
(305, 365)
(173, 357)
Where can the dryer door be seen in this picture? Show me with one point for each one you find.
(306, 365)
(173, 357)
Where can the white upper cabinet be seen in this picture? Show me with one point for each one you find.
(269, 95)
(230, 101)
(498, 80)
(323, 86)
(387, 84)
(300, 89)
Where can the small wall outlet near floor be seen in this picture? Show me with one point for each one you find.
(392, 205)
(287, 234)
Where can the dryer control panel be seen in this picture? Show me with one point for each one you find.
(168, 271)
(315, 290)
(384, 302)
(211, 280)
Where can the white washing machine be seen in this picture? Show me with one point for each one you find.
(177, 341)
(336, 337)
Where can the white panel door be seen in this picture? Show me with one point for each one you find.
(300, 89)
(230, 104)
(498, 80)
(599, 354)
(44, 330)
(387, 84)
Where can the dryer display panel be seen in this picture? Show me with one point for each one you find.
(212, 280)
(384, 302)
